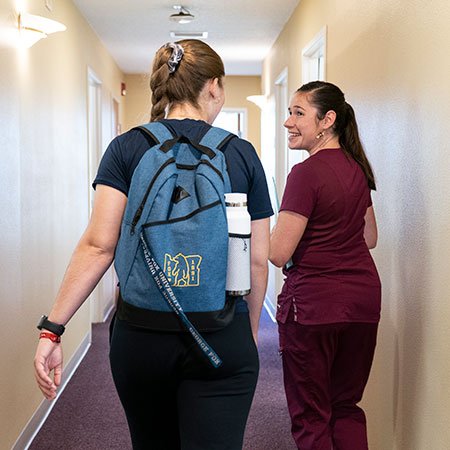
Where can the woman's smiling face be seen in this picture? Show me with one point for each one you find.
(303, 124)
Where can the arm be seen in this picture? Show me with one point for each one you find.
(90, 260)
(285, 236)
(370, 229)
(259, 271)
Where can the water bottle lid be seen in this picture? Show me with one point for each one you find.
(235, 199)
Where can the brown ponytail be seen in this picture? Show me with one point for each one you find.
(158, 83)
(199, 64)
(328, 97)
(351, 143)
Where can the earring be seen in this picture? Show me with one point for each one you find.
(321, 134)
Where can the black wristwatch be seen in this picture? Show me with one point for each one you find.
(55, 328)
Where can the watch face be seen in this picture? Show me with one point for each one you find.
(41, 322)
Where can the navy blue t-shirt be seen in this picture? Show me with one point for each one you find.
(244, 166)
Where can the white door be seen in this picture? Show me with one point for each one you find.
(233, 120)
(313, 69)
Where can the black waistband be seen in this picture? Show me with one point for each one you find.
(170, 322)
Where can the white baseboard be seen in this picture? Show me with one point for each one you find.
(107, 310)
(270, 308)
(37, 420)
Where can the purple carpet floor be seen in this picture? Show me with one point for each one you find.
(88, 415)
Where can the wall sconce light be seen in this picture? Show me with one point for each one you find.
(259, 100)
(123, 89)
(33, 28)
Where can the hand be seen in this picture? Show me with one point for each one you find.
(48, 357)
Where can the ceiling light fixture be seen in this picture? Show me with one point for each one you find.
(182, 16)
(33, 28)
(189, 34)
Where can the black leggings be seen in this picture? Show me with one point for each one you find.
(173, 398)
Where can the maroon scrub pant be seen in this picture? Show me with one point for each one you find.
(325, 369)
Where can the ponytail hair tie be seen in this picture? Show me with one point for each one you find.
(175, 57)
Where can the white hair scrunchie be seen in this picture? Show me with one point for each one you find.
(175, 58)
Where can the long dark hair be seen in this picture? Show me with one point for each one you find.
(199, 64)
(328, 97)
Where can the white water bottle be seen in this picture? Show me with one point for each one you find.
(239, 232)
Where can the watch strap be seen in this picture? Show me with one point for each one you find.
(55, 328)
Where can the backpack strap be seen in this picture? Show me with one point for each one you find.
(216, 138)
(157, 131)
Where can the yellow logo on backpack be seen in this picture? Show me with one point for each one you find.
(182, 271)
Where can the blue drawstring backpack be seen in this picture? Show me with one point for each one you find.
(172, 254)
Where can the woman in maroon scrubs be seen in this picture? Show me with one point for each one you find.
(329, 307)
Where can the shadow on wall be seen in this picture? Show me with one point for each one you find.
(413, 257)
(395, 391)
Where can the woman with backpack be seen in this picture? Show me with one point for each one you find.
(173, 397)
(329, 307)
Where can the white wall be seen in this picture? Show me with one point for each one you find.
(44, 186)
(390, 58)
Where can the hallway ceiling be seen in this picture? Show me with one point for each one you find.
(241, 31)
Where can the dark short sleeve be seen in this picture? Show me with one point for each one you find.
(121, 158)
(247, 175)
(300, 194)
(111, 171)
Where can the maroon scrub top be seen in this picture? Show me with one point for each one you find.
(333, 277)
